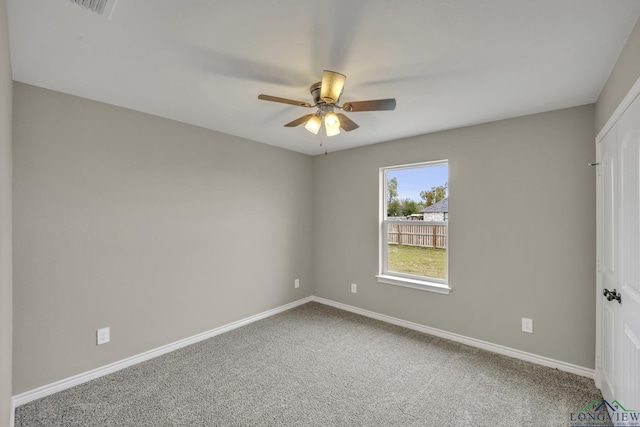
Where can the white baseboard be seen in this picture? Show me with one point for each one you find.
(49, 389)
(495, 348)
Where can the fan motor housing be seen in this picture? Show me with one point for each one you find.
(315, 93)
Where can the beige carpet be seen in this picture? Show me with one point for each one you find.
(318, 366)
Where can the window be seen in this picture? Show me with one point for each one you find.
(414, 226)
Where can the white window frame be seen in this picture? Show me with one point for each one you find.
(424, 283)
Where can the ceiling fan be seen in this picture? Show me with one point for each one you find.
(326, 95)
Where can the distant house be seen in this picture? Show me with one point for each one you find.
(438, 211)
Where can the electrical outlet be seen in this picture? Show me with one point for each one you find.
(296, 283)
(103, 336)
(527, 325)
(354, 288)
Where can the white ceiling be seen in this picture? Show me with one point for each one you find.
(204, 62)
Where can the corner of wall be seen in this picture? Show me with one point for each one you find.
(624, 75)
(6, 260)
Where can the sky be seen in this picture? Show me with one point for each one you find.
(412, 181)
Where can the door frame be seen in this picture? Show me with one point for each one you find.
(631, 96)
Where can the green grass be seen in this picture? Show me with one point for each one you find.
(417, 260)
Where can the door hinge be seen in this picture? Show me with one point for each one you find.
(598, 266)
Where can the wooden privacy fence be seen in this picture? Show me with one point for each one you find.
(423, 234)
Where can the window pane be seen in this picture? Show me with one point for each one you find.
(416, 221)
(417, 248)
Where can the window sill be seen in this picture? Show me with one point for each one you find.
(422, 285)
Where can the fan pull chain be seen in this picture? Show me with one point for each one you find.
(322, 141)
(322, 145)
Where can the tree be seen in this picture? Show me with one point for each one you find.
(435, 194)
(409, 207)
(392, 190)
(394, 208)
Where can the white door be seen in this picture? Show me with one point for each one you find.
(628, 130)
(608, 261)
(619, 260)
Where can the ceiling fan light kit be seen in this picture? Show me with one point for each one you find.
(314, 124)
(326, 95)
(331, 123)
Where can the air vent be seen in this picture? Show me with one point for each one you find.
(101, 7)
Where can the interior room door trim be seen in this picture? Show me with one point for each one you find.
(626, 102)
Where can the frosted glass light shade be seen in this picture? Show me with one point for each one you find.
(313, 125)
(333, 132)
(331, 86)
(331, 124)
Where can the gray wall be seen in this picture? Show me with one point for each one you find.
(157, 229)
(522, 232)
(622, 77)
(6, 88)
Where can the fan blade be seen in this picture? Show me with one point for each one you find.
(373, 105)
(284, 100)
(299, 121)
(346, 123)
(331, 86)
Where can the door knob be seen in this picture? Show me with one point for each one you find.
(612, 295)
